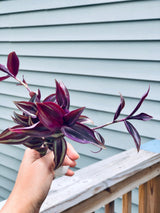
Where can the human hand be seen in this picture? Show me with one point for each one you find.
(34, 180)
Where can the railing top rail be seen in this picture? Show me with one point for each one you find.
(67, 192)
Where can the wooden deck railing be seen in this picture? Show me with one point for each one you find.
(101, 183)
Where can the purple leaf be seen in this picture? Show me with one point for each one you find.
(36, 130)
(4, 77)
(38, 96)
(141, 116)
(24, 81)
(81, 134)
(66, 92)
(84, 119)
(34, 143)
(50, 98)
(134, 133)
(59, 149)
(28, 108)
(120, 107)
(62, 96)
(9, 137)
(4, 69)
(50, 115)
(35, 97)
(20, 119)
(13, 66)
(139, 104)
(72, 117)
(99, 137)
(42, 150)
(13, 63)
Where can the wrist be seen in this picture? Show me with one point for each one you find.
(16, 203)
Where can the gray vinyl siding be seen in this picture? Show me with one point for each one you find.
(98, 48)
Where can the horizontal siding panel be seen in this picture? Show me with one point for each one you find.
(7, 183)
(10, 158)
(85, 161)
(99, 85)
(9, 161)
(5, 124)
(7, 172)
(7, 101)
(15, 152)
(104, 50)
(105, 68)
(11, 7)
(88, 150)
(1, 198)
(139, 30)
(104, 13)
(3, 193)
(6, 113)
(126, 69)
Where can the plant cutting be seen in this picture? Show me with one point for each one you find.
(44, 124)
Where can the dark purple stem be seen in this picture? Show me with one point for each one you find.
(107, 124)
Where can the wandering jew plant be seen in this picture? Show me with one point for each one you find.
(44, 124)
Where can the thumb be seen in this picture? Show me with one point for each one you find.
(30, 156)
(48, 159)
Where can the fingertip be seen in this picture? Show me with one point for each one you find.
(73, 164)
(76, 156)
(69, 173)
(69, 162)
(71, 152)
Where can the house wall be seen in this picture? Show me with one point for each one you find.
(98, 48)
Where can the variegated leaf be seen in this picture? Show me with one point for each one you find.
(59, 149)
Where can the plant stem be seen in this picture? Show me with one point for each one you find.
(108, 124)
(22, 83)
